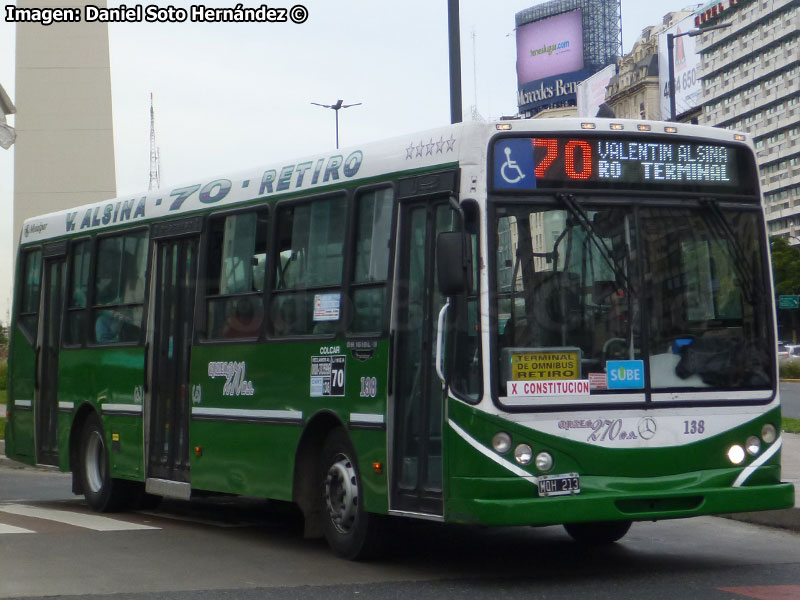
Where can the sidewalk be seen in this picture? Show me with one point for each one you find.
(785, 519)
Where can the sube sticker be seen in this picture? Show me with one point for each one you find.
(625, 374)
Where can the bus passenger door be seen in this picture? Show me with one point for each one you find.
(170, 337)
(418, 395)
(47, 349)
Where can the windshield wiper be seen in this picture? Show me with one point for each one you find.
(579, 214)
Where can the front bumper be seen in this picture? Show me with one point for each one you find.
(504, 502)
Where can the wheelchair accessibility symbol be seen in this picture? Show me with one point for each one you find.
(510, 170)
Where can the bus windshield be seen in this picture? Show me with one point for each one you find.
(599, 300)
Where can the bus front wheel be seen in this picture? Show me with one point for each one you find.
(350, 531)
(606, 532)
(102, 493)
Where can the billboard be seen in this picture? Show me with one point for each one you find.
(592, 91)
(549, 47)
(687, 69)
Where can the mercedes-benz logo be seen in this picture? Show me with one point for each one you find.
(647, 428)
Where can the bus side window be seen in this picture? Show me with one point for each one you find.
(308, 277)
(28, 317)
(373, 240)
(235, 273)
(80, 258)
(119, 288)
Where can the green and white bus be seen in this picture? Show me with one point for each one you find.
(516, 323)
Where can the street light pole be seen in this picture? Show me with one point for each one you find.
(336, 108)
(454, 36)
(671, 60)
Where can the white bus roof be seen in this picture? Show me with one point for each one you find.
(420, 150)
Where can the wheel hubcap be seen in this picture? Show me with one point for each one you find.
(341, 494)
(94, 464)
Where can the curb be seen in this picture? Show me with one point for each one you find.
(788, 518)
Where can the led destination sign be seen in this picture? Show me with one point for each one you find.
(574, 161)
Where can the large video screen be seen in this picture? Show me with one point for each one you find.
(550, 47)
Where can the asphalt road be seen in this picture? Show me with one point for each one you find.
(247, 550)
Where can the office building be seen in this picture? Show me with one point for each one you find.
(751, 83)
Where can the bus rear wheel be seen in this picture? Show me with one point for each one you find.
(102, 493)
(351, 532)
(598, 534)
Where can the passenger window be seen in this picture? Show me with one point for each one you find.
(308, 274)
(237, 260)
(80, 260)
(119, 287)
(373, 239)
(31, 287)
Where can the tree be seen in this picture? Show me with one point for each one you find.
(3, 341)
(786, 274)
(785, 266)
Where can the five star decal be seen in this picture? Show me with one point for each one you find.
(442, 146)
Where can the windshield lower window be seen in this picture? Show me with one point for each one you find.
(602, 301)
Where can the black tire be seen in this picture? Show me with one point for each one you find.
(351, 532)
(598, 534)
(102, 493)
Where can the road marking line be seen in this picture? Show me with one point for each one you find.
(12, 529)
(766, 592)
(94, 522)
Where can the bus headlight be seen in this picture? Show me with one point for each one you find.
(736, 454)
(753, 445)
(544, 461)
(501, 442)
(768, 433)
(523, 454)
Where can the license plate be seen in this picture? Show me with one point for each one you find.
(559, 485)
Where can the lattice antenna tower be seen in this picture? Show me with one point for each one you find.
(155, 158)
(476, 116)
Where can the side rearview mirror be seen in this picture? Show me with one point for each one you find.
(453, 263)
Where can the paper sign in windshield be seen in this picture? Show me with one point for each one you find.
(526, 389)
(526, 366)
(326, 307)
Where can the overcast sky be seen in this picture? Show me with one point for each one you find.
(233, 96)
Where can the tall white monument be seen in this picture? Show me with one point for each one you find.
(64, 150)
